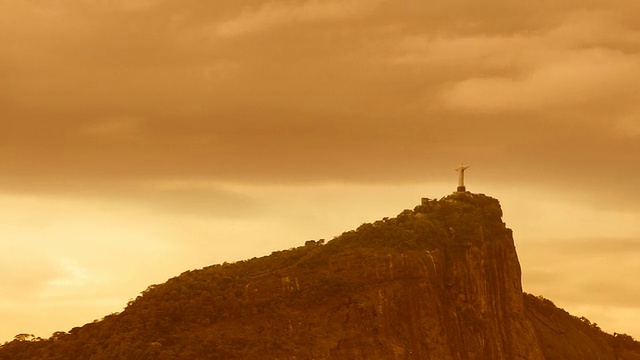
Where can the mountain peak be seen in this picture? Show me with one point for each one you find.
(441, 281)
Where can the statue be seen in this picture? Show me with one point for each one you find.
(461, 170)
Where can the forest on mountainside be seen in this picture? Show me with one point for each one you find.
(247, 309)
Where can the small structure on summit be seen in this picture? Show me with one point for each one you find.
(460, 169)
(460, 189)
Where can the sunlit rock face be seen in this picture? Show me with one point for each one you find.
(455, 295)
(441, 282)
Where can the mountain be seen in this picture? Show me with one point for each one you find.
(441, 281)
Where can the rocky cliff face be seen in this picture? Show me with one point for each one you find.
(441, 281)
(461, 299)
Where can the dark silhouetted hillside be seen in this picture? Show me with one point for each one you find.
(441, 281)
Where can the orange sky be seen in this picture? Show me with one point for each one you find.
(142, 138)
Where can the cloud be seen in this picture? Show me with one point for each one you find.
(26, 272)
(577, 79)
(193, 198)
(628, 124)
(589, 56)
(121, 127)
(487, 51)
(589, 277)
(272, 15)
(135, 5)
(181, 197)
(521, 50)
(606, 28)
(594, 271)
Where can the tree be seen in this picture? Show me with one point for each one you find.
(24, 337)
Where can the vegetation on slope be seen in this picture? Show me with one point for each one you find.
(188, 316)
(567, 337)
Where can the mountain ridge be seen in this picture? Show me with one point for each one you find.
(441, 281)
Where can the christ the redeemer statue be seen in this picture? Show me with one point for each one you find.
(461, 170)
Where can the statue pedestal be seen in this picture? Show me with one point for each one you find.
(461, 170)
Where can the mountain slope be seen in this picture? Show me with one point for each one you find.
(439, 282)
(568, 337)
